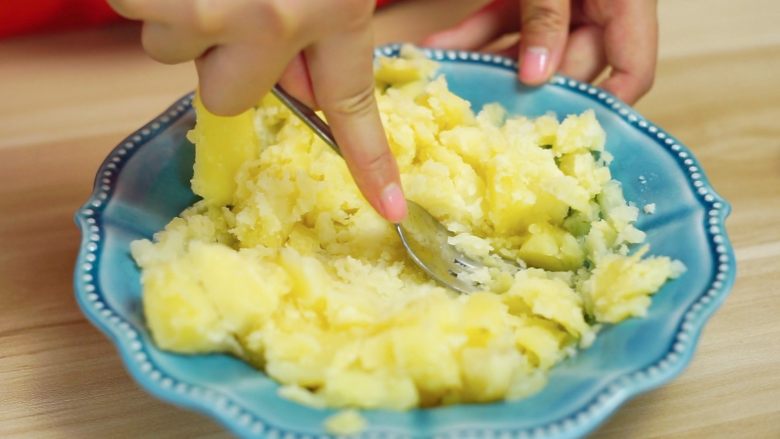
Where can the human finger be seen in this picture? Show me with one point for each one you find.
(265, 36)
(349, 104)
(175, 31)
(234, 77)
(172, 44)
(199, 15)
(584, 58)
(544, 25)
(631, 44)
(131, 9)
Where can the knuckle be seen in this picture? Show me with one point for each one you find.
(357, 103)
(274, 19)
(544, 17)
(377, 164)
(357, 12)
(208, 17)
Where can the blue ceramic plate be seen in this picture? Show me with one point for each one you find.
(145, 182)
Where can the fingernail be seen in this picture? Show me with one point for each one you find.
(393, 203)
(533, 67)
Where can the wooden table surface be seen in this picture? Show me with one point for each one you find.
(67, 99)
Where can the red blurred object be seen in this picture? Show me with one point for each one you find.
(380, 3)
(19, 17)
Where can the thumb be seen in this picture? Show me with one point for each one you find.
(544, 26)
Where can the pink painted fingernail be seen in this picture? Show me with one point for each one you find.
(393, 203)
(534, 65)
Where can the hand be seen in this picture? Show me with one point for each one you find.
(579, 38)
(319, 51)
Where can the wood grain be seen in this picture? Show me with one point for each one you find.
(67, 99)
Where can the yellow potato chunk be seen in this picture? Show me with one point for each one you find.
(551, 248)
(222, 145)
(620, 287)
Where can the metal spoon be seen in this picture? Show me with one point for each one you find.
(424, 238)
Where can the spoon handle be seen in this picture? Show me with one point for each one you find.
(307, 115)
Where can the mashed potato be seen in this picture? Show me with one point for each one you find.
(284, 264)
